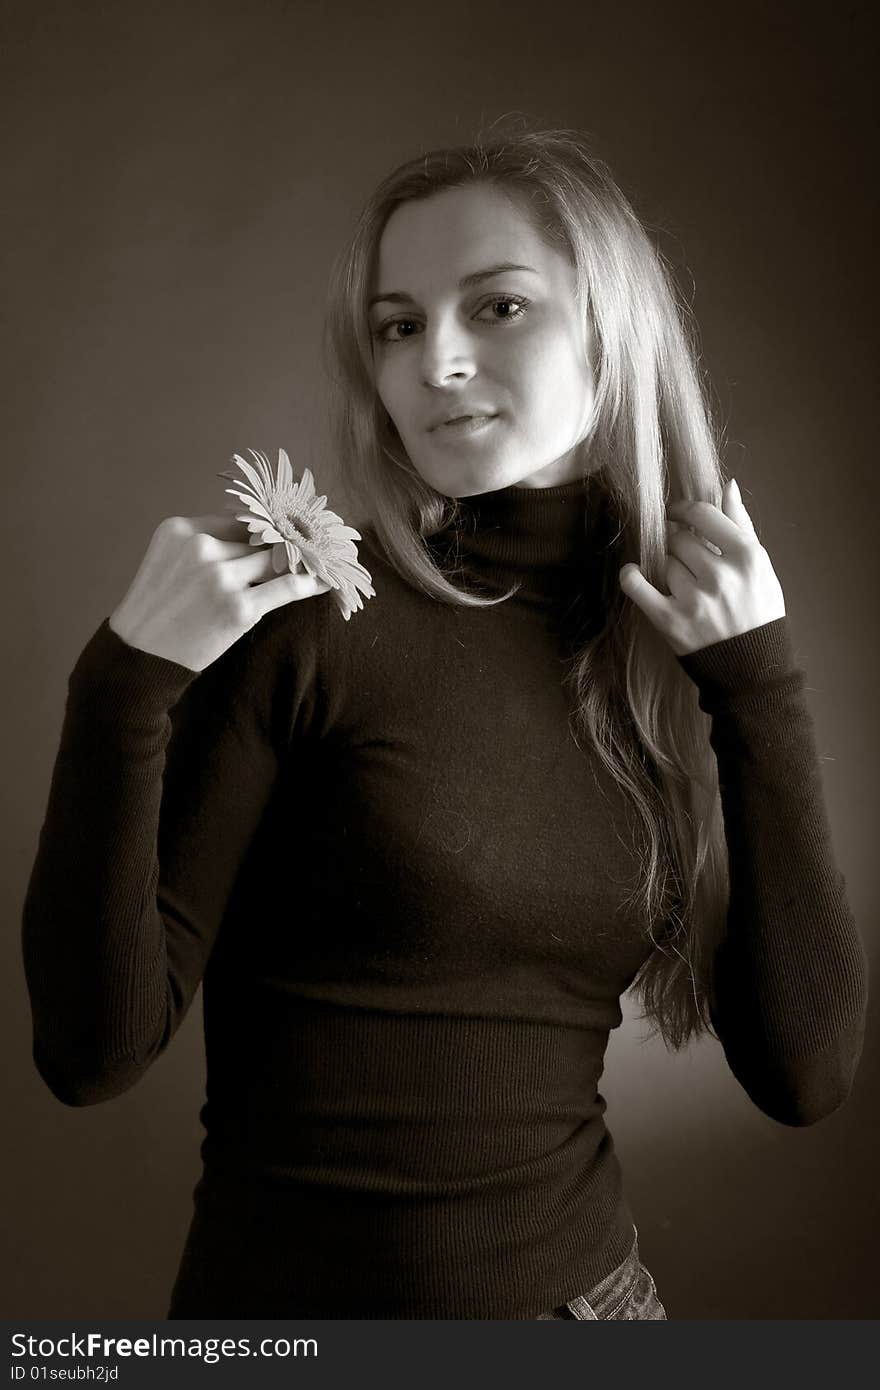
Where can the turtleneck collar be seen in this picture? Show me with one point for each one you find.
(551, 541)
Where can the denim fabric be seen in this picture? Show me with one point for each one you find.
(627, 1292)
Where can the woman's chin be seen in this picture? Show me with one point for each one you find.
(467, 481)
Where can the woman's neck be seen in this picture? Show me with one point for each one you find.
(551, 541)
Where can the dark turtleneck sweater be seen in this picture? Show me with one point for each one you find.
(404, 888)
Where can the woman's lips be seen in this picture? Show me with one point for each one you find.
(468, 424)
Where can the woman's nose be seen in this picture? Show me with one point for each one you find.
(447, 351)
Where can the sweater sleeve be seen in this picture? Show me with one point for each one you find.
(159, 784)
(789, 992)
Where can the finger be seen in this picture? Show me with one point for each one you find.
(221, 525)
(710, 521)
(287, 588)
(679, 579)
(731, 501)
(692, 551)
(252, 567)
(644, 595)
(231, 535)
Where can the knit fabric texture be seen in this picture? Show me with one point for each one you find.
(406, 891)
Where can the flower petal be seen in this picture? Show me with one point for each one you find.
(307, 485)
(255, 506)
(285, 472)
(251, 474)
(264, 469)
(344, 533)
(278, 505)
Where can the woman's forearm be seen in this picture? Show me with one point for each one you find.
(790, 978)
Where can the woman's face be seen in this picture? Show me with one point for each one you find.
(450, 340)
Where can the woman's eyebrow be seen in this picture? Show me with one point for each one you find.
(401, 297)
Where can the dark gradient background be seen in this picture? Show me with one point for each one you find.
(178, 179)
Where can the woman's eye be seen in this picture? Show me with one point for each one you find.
(516, 300)
(380, 333)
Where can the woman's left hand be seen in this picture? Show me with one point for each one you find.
(712, 596)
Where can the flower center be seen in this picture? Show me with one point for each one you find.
(300, 529)
(293, 520)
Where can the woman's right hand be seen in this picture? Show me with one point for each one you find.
(191, 598)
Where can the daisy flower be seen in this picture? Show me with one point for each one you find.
(303, 534)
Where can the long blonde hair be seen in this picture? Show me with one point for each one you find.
(653, 434)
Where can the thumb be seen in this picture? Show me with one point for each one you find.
(642, 592)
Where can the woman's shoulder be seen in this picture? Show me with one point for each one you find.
(317, 624)
(370, 544)
(374, 556)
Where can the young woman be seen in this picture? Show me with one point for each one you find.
(417, 858)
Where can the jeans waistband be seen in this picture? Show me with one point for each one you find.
(604, 1300)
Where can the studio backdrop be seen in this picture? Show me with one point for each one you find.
(178, 179)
